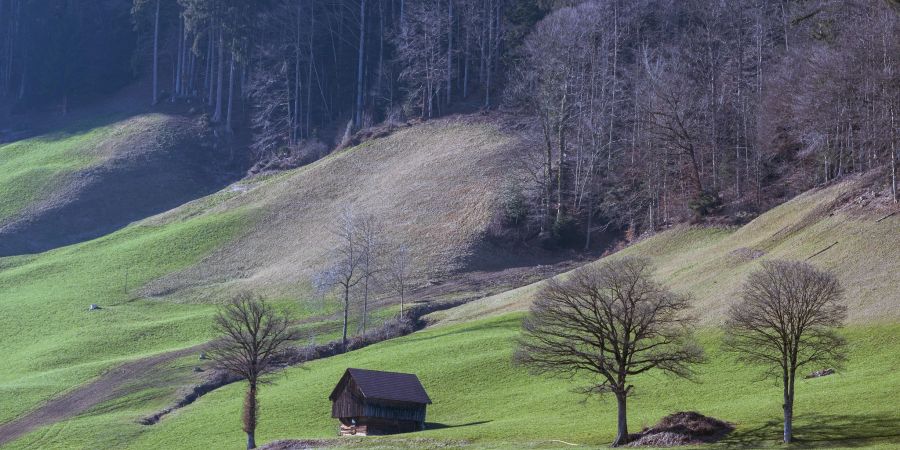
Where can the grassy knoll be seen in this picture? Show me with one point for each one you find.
(482, 399)
(30, 169)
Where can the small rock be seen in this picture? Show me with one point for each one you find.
(93, 307)
(821, 373)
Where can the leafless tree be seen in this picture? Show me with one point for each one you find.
(399, 271)
(345, 270)
(420, 49)
(785, 320)
(251, 335)
(612, 321)
(372, 252)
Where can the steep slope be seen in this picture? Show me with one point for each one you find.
(92, 178)
(433, 186)
(823, 226)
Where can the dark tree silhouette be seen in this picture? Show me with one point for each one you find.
(252, 334)
(613, 321)
(786, 320)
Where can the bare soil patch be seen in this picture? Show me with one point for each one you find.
(107, 387)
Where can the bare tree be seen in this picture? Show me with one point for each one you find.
(399, 271)
(786, 320)
(371, 254)
(252, 334)
(345, 270)
(612, 321)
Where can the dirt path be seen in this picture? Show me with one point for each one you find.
(69, 405)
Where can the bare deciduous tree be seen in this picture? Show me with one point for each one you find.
(786, 320)
(252, 333)
(345, 271)
(612, 321)
(399, 270)
(372, 252)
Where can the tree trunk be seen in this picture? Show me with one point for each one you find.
(788, 419)
(251, 409)
(449, 50)
(893, 159)
(176, 69)
(156, 54)
(622, 428)
(365, 314)
(220, 79)
(211, 67)
(230, 94)
(346, 316)
(788, 381)
(359, 63)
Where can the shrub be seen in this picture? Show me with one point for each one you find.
(514, 204)
(565, 231)
(705, 204)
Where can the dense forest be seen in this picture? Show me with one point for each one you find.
(642, 113)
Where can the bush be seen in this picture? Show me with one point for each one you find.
(514, 204)
(565, 232)
(704, 204)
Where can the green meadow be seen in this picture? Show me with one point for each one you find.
(482, 399)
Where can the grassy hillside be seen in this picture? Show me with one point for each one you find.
(98, 174)
(711, 263)
(30, 169)
(481, 400)
(480, 397)
(159, 280)
(434, 186)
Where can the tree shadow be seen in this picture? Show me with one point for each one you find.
(821, 430)
(440, 426)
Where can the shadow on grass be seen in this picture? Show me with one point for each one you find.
(441, 426)
(821, 430)
(509, 324)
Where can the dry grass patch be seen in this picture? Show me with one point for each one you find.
(711, 263)
(435, 186)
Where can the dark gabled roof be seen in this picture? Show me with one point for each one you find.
(389, 386)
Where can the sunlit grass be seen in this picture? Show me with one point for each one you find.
(482, 398)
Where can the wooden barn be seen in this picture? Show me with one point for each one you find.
(372, 402)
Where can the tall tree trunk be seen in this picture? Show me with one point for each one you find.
(311, 62)
(346, 316)
(211, 63)
(893, 158)
(220, 78)
(230, 94)
(622, 423)
(156, 55)
(298, 84)
(359, 63)
(401, 298)
(449, 50)
(788, 381)
(251, 411)
(465, 85)
(365, 312)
